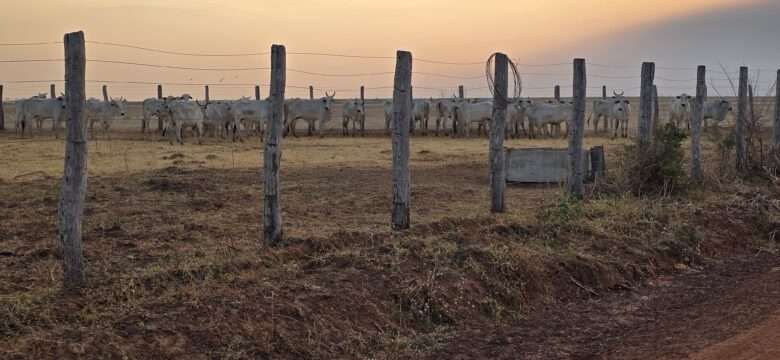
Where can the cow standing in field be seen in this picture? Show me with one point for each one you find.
(614, 111)
(152, 107)
(421, 112)
(180, 114)
(36, 109)
(680, 111)
(443, 110)
(515, 118)
(103, 112)
(354, 111)
(252, 114)
(716, 110)
(388, 109)
(542, 115)
(218, 117)
(473, 112)
(311, 111)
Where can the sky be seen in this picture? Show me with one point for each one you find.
(622, 34)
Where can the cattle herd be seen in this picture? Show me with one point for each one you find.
(525, 117)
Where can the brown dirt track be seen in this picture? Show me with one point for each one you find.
(177, 269)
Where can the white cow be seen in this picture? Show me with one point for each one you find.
(421, 112)
(310, 111)
(515, 118)
(469, 112)
(354, 111)
(615, 112)
(542, 114)
(716, 110)
(444, 110)
(104, 112)
(388, 107)
(151, 107)
(218, 117)
(252, 114)
(180, 114)
(35, 110)
(680, 110)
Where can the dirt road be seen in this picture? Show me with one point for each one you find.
(730, 310)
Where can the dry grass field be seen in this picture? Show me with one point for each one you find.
(177, 268)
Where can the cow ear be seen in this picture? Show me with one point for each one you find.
(678, 98)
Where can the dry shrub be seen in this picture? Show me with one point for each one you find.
(657, 170)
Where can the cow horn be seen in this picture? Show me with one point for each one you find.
(616, 94)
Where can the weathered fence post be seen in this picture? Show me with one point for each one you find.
(604, 91)
(402, 111)
(741, 119)
(363, 110)
(557, 93)
(105, 93)
(457, 126)
(159, 97)
(257, 92)
(2, 110)
(411, 120)
(53, 91)
(656, 111)
(697, 175)
(272, 156)
(646, 105)
(206, 93)
(777, 110)
(577, 130)
(311, 92)
(497, 129)
(598, 167)
(74, 180)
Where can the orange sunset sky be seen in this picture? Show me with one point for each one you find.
(458, 31)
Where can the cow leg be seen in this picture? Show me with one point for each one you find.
(354, 127)
(318, 129)
(363, 125)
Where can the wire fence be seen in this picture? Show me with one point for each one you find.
(431, 83)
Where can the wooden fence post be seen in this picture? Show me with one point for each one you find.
(159, 91)
(74, 180)
(597, 163)
(497, 129)
(402, 116)
(159, 97)
(646, 105)
(105, 93)
(557, 93)
(53, 91)
(457, 125)
(2, 110)
(656, 111)
(577, 130)
(604, 91)
(697, 175)
(207, 93)
(777, 110)
(411, 98)
(272, 156)
(363, 110)
(257, 92)
(311, 92)
(741, 119)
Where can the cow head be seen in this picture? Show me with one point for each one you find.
(118, 106)
(683, 100)
(327, 101)
(621, 107)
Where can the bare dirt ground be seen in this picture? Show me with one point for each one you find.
(177, 269)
